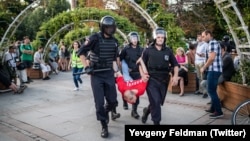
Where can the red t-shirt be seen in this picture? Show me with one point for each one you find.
(138, 84)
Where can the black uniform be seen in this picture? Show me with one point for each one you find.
(131, 55)
(102, 52)
(158, 65)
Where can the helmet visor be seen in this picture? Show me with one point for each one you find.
(133, 38)
(159, 32)
(163, 32)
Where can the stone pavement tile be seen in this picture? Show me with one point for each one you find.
(18, 124)
(13, 136)
(9, 132)
(4, 137)
(26, 132)
(29, 116)
(58, 113)
(205, 120)
(63, 129)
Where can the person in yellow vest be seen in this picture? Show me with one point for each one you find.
(76, 64)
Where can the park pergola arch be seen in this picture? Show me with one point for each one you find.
(228, 8)
(237, 28)
(124, 36)
(74, 19)
(5, 41)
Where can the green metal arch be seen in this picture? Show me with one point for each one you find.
(16, 22)
(83, 14)
(72, 24)
(65, 27)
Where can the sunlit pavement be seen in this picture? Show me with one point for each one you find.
(51, 111)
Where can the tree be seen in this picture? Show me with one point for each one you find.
(31, 24)
(8, 11)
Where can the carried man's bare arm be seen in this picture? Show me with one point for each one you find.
(116, 70)
(143, 70)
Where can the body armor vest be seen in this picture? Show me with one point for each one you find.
(158, 63)
(103, 57)
(132, 55)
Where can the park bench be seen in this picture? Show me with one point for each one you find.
(189, 88)
(36, 74)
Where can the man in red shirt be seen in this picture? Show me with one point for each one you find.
(132, 89)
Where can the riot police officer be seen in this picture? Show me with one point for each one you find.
(158, 58)
(130, 55)
(102, 48)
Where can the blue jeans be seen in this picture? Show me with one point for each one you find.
(77, 78)
(125, 71)
(212, 82)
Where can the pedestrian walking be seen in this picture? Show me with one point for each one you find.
(213, 68)
(76, 65)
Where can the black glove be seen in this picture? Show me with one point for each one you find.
(89, 70)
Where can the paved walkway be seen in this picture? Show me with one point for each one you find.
(51, 111)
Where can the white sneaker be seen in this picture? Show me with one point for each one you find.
(76, 89)
(81, 86)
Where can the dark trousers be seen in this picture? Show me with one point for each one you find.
(156, 92)
(4, 80)
(212, 82)
(105, 95)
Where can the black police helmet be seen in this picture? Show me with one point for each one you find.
(133, 35)
(226, 38)
(159, 30)
(107, 25)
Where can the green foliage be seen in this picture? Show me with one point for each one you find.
(191, 68)
(77, 34)
(8, 10)
(245, 70)
(57, 6)
(175, 34)
(31, 24)
(166, 20)
(29, 1)
(138, 1)
(77, 17)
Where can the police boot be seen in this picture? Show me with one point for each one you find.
(144, 117)
(114, 114)
(134, 112)
(156, 123)
(107, 118)
(105, 132)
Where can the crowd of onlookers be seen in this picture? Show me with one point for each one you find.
(20, 58)
(196, 57)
